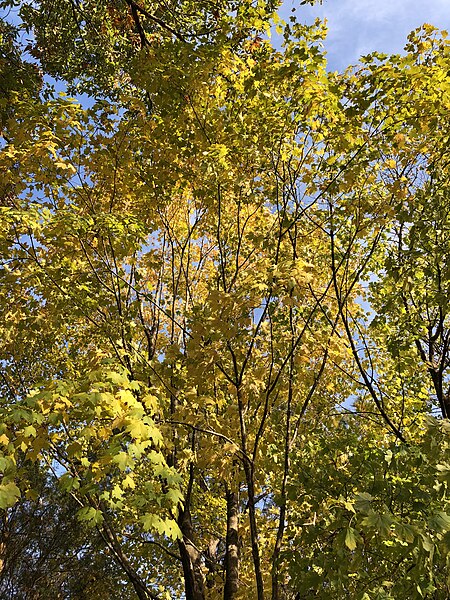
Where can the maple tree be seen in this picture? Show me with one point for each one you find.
(224, 304)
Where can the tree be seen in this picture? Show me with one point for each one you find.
(46, 554)
(187, 349)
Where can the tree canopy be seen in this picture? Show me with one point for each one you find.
(224, 299)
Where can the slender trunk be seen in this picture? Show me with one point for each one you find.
(446, 402)
(286, 466)
(3, 540)
(254, 531)
(190, 558)
(211, 563)
(250, 482)
(281, 522)
(142, 592)
(231, 553)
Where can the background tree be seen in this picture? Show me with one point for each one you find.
(189, 354)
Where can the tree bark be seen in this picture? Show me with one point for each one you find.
(232, 548)
(254, 531)
(190, 558)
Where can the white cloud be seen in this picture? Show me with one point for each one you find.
(359, 27)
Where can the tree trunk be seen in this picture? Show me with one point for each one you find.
(108, 534)
(190, 558)
(254, 531)
(231, 553)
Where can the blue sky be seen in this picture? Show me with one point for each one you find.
(358, 27)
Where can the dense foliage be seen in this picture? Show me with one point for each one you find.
(225, 280)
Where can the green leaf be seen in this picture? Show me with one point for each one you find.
(446, 542)
(167, 527)
(90, 515)
(174, 495)
(380, 522)
(117, 378)
(350, 538)
(440, 521)
(123, 461)
(362, 502)
(404, 532)
(29, 431)
(427, 542)
(9, 494)
(69, 483)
